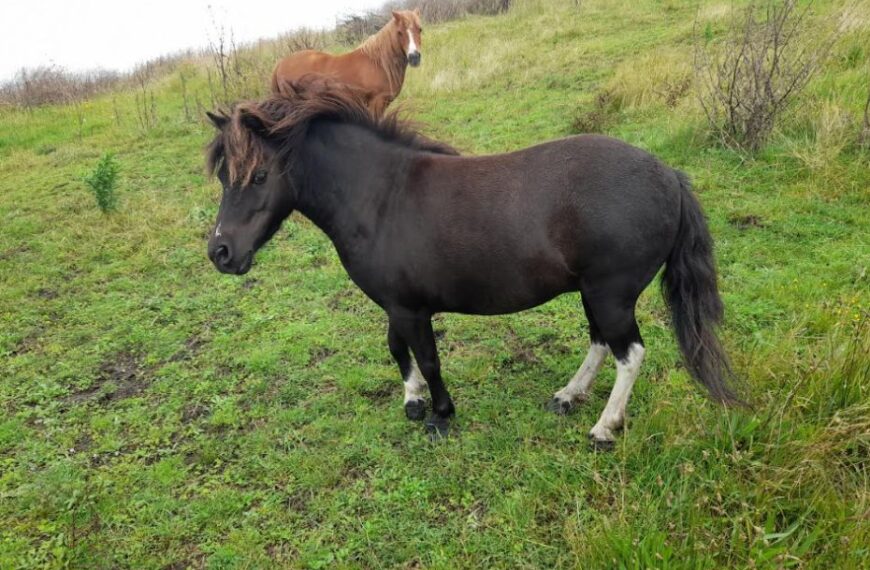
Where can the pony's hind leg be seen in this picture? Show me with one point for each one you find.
(618, 327)
(577, 389)
(415, 385)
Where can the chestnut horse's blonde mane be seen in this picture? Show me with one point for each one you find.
(281, 122)
(385, 49)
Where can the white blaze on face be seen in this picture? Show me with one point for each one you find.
(412, 46)
(217, 230)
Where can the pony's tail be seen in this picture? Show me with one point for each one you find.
(689, 288)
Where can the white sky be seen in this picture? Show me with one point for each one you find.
(117, 34)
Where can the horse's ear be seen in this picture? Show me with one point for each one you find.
(254, 124)
(417, 11)
(397, 17)
(217, 120)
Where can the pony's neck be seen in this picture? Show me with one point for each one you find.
(386, 51)
(347, 172)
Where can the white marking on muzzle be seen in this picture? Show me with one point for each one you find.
(412, 47)
(217, 230)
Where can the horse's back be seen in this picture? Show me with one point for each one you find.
(299, 63)
(347, 68)
(597, 175)
(585, 205)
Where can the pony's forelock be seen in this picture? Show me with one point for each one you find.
(236, 146)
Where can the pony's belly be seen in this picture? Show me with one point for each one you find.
(502, 297)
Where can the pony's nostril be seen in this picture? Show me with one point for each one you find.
(221, 254)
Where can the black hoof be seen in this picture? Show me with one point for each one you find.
(415, 410)
(601, 444)
(437, 427)
(559, 407)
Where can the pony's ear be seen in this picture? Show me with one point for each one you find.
(217, 120)
(397, 17)
(254, 124)
(417, 10)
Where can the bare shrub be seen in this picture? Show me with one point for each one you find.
(437, 11)
(304, 39)
(236, 71)
(182, 76)
(748, 81)
(146, 106)
(599, 118)
(354, 28)
(487, 7)
(52, 85)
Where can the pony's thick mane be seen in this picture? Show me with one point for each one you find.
(282, 120)
(384, 49)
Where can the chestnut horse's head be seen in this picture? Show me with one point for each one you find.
(408, 28)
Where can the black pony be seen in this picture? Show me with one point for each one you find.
(421, 231)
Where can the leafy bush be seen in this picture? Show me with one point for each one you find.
(102, 182)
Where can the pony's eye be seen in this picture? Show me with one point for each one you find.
(260, 177)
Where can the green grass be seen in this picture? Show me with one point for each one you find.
(156, 414)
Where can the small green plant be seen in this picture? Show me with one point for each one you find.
(103, 180)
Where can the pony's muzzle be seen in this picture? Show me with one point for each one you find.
(414, 58)
(222, 257)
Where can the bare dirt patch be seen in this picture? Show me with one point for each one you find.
(12, 252)
(191, 348)
(47, 294)
(28, 343)
(118, 378)
(319, 354)
(381, 394)
(746, 221)
(520, 353)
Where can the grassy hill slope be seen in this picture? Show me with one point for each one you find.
(156, 414)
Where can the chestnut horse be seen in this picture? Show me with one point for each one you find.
(376, 68)
(421, 231)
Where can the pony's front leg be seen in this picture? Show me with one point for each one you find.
(415, 385)
(416, 330)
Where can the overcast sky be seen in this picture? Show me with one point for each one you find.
(117, 34)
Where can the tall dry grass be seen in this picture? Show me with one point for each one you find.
(659, 76)
(831, 130)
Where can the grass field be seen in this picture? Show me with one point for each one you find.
(157, 414)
